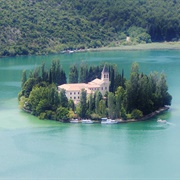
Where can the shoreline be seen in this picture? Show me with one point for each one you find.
(144, 118)
(148, 46)
(137, 47)
(147, 117)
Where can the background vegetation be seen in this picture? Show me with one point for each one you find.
(40, 27)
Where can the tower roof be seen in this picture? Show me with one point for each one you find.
(105, 69)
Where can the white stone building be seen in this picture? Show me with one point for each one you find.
(73, 91)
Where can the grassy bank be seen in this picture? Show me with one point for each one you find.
(149, 46)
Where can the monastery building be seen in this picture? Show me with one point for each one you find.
(73, 91)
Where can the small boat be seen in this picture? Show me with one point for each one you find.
(108, 121)
(87, 121)
(161, 121)
(74, 121)
(69, 51)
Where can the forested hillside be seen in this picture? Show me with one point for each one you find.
(39, 26)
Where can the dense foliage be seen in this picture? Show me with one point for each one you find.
(40, 27)
(133, 98)
(140, 95)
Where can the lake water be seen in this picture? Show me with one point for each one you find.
(32, 148)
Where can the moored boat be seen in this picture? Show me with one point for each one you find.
(108, 121)
(87, 121)
(74, 121)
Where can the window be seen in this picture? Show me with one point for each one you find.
(78, 92)
(70, 97)
(102, 88)
(78, 97)
(70, 93)
(74, 92)
(74, 97)
(105, 88)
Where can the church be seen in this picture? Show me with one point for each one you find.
(73, 91)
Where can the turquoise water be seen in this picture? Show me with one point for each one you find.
(32, 148)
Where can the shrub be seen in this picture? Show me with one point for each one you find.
(95, 116)
(42, 116)
(136, 114)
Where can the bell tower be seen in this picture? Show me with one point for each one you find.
(105, 75)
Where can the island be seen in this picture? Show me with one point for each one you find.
(93, 92)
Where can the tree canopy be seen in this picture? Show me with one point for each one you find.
(41, 27)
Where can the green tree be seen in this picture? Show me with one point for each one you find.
(94, 72)
(71, 105)
(123, 113)
(83, 73)
(112, 78)
(162, 92)
(136, 114)
(24, 78)
(60, 78)
(36, 74)
(63, 98)
(144, 102)
(132, 88)
(83, 104)
(97, 100)
(62, 114)
(27, 87)
(119, 80)
(41, 106)
(55, 71)
(44, 74)
(73, 74)
(111, 105)
(37, 100)
(119, 98)
(91, 103)
(63, 78)
(102, 108)
(53, 98)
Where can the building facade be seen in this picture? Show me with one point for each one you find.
(73, 91)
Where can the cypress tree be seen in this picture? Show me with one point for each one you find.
(83, 73)
(63, 99)
(132, 88)
(73, 74)
(90, 103)
(97, 100)
(111, 105)
(24, 78)
(83, 105)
